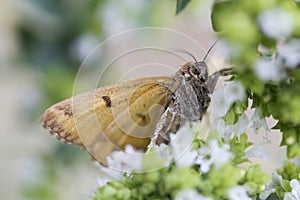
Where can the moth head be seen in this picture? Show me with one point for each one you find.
(202, 66)
(200, 71)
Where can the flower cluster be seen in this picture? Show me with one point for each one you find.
(264, 48)
(189, 167)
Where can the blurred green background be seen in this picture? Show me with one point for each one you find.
(42, 45)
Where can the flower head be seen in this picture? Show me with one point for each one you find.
(237, 193)
(295, 193)
(218, 156)
(129, 160)
(190, 194)
(276, 23)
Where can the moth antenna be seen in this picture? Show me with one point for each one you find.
(188, 53)
(209, 50)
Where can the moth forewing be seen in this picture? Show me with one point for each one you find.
(111, 117)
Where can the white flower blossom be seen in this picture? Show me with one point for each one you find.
(181, 144)
(268, 70)
(128, 160)
(256, 151)
(219, 104)
(276, 23)
(163, 151)
(295, 193)
(107, 174)
(290, 53)
(241, 126)
(296, 161)
(258, 122)
(218, 156)
(270, 187)
(223, 128)
(189, 194)
(222, 98)
(237, 193)
(234, 91)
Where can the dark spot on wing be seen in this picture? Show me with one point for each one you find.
(107, 101)
(143, 117)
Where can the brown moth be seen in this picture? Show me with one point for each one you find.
(140, 112)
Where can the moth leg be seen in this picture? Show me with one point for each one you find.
(213, 79)
(159, 128)
(168, 123)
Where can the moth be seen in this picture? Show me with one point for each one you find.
(140, 112)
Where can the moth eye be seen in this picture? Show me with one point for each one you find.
(194, 72)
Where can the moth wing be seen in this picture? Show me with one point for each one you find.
(108, 118)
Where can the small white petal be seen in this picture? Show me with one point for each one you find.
(268, 70)
(218, 156)
(289, 196)
(181, 144)
(107, 174)
(189, 194)
(296, 161)
(256, 151)
(258, 122)
(276, 23)
(295, 188)
(237, 193)
(128, 160)
(241, 126)
(270, 187)
(265, 194)
(219, 105)
(234, 91)
(290, 53)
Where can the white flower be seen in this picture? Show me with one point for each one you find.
(163, 152)
(222, 98)
(234, 91)
(237, 193)
(270, 187)
(258, 122)
(128, 160)
(189, 194)
(218, 156)
(268, 70)
(276, 23)
(157, 157)
(107, 174)
(219, 104)
(256, 151)
(223, 129)
(295, 193)
(290, 52)
(296, 161)
(181, 144)
(241, 126)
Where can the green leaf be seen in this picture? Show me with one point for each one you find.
(180, 5)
